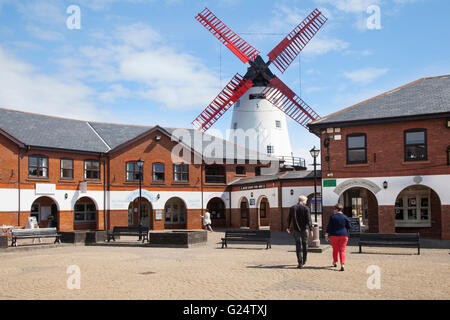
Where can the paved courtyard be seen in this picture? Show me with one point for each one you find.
(242, 271)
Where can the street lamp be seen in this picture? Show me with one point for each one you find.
(315, 153)
(140, 164)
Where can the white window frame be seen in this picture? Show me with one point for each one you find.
(419, 194)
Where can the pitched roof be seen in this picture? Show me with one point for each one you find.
(68, 134)
(426, 96)
(51, 132)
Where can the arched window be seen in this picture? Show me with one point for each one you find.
(244, 209)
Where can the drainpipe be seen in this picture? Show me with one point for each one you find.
(229, 199)
(104, 194)
(201, 184)
(18, 177)
(27, 148)
(280, 203)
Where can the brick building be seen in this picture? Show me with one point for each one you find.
(85, 175)
(387, 159)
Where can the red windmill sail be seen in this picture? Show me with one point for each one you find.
(229, 95)
(286, 100)
(236, 44)
(289, 48)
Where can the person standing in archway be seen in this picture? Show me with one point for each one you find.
(337, 233)
(300, 224)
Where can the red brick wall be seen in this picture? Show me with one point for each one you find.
(8, 163)
(445, 216)
(387, 142)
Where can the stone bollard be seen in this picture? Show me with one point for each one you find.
(315, 241)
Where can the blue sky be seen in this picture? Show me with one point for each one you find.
(150, 62)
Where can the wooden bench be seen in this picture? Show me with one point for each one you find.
(33, 234)
(390, 239)
(247, 235)
(140, 231)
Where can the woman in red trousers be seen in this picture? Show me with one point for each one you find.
(337, 233)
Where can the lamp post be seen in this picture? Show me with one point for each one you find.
(315, 153)
(140, 164)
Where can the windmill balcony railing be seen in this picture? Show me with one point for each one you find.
(214, 178)
(292, 161)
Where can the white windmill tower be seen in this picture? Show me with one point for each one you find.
(261, 100)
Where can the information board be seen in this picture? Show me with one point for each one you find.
(355, 227)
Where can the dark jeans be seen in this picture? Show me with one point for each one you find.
(301, 245)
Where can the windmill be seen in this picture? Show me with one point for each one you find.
(261, 100)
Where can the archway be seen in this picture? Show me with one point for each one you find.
(45, 210)
(216, 207)
(175, 214)
(145, 216)
(264, 212)
(85, 214)
(245, 212)
(416, 207)
(361, 203)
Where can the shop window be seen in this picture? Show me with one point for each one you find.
(92, 169)
(356, 149)
(85, 212)
(257, 171)
(38, 166)
(416, 145)
(66, 168)
(175, 211)
(413, 208)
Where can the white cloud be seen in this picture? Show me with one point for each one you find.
(366, 75)
(25, 88)
(323, 45)
(350, 6)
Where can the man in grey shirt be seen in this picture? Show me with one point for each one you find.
(300, 224)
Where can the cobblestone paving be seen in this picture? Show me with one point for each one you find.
(243, 271)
